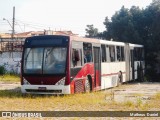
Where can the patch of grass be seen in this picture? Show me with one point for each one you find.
(88, 101)
(139, 102)
(155, 103)
(129, 104)
(95, 101)
(134, 106)
(10, 94)
(145, 107)
(10, 78)
(157, 96)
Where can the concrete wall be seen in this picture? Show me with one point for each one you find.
(11, 61)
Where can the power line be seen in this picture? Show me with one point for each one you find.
(38, 25)
(23, 25)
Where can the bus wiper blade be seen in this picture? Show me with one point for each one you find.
(28, 54)
(49, 51)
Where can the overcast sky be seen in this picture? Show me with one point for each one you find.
(71, 15)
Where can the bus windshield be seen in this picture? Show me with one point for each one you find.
(49, 60)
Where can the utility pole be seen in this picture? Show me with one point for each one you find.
(13, 22)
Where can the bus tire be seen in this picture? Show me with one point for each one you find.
(87, 84)
(120, 77)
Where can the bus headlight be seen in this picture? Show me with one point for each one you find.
(61, 81)
(25, 82)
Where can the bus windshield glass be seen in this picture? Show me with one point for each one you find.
(48, 60)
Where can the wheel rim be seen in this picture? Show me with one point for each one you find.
(87, 85)
(119, 78)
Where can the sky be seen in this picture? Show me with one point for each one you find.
(74, 15)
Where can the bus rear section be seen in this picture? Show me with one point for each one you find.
(44, 65)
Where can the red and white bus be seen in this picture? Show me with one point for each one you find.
(55, 64)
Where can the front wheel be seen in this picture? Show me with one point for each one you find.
(87, 85)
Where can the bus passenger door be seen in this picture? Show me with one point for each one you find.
(97, 66)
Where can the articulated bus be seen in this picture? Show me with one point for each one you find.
(56, 64)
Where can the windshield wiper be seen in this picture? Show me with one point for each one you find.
(28, 54)
(49, 51)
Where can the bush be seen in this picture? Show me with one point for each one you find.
(2, 70)
(13, 73)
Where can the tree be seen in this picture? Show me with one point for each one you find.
(91, 32)
(140, 26)
(122, 27)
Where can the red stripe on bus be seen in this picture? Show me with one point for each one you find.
(112, 74)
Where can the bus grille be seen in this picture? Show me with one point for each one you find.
(47, 91)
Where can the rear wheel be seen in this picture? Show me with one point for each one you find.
(120, 77)
(87, 85)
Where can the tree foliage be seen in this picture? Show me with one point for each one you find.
(91, 32)
(125, 25)
(140, 26)
(135, 25)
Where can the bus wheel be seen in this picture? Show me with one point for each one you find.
(87, 85)
(119, 78)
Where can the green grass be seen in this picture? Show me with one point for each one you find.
(10, 94)
(10, 78)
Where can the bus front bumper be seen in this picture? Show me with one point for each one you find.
(46, 89)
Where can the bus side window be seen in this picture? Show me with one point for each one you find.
(103, 48)
(136, 54)
(76, 57)
(87, 49)
(120, 53)
(112, 53)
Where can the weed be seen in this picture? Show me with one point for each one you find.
(10, 94)
(157, 96)
(139, 102)
(2, 70)
(129, 104)
(10, 78)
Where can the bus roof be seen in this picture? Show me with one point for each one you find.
(82, 39)
(135, 45)
(100, 41)
(111, 42)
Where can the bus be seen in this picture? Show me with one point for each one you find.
(57, 64)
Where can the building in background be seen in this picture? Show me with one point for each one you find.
(11, 48)
(36, 33)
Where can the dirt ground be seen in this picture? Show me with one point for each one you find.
(9, 85)
(126, 92)
(133, 91)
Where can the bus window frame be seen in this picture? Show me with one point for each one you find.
(87, 52)
(105, 53)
